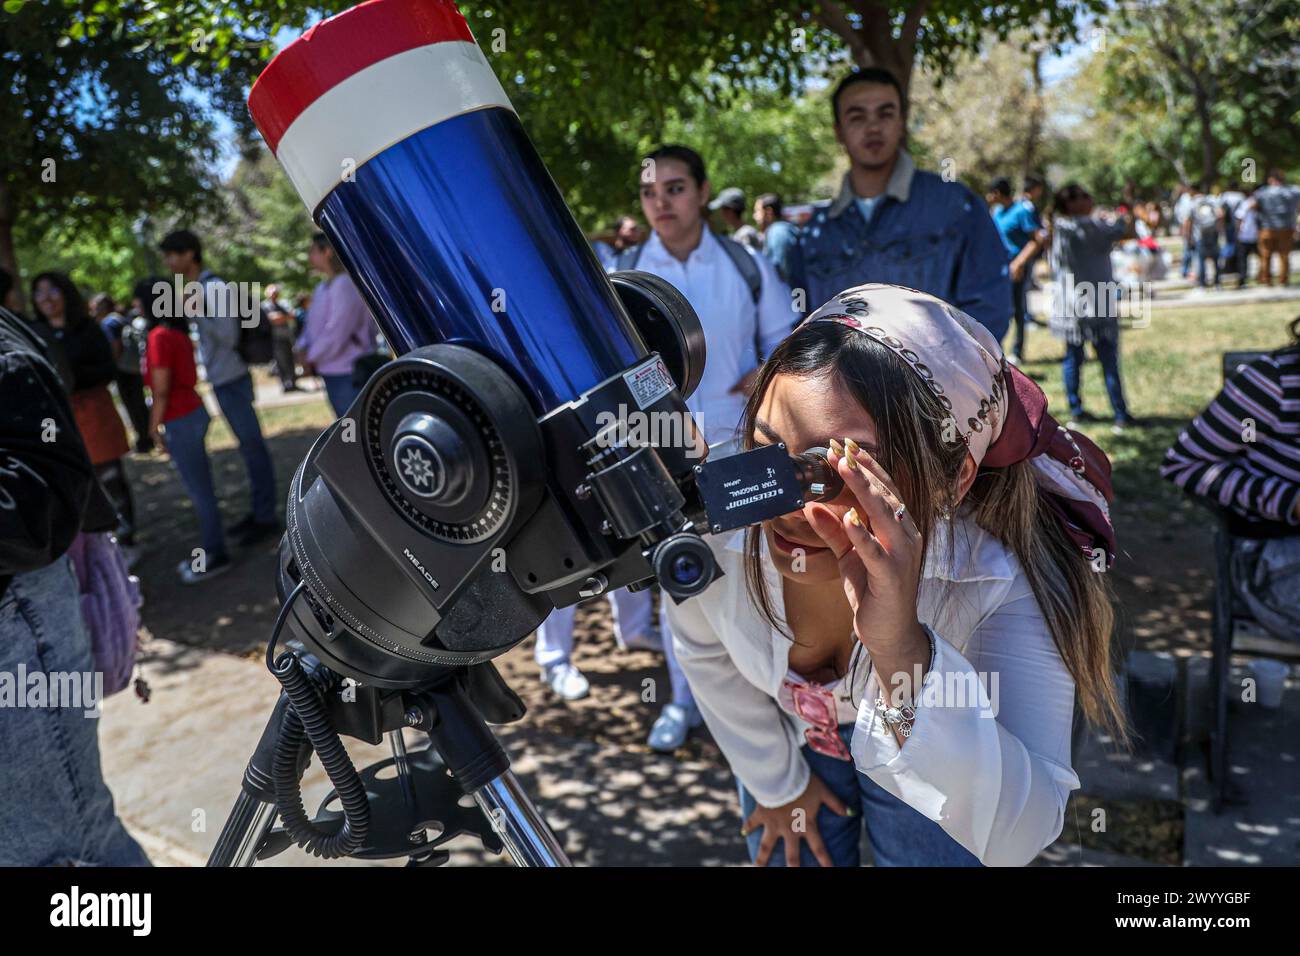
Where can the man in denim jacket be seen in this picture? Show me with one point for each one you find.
(894, 223)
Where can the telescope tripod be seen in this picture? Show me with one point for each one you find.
(406, 806)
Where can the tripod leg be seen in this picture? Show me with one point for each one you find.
(254, 811)
(480, 765)
(521, 828)
(243, 833)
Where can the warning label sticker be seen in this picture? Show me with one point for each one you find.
(649, 382)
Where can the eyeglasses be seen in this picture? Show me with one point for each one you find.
(815, 705)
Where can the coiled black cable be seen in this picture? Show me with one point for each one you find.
(306, 726)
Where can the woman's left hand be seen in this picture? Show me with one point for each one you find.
(880, 550)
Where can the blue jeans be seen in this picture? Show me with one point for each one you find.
(341, 392)
(55, 809)
(1019, 315)
(185, 443)
(1207, 254)
(236, 401)
(899, 835)
(1108, 356)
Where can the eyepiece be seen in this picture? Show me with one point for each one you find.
(818, 478)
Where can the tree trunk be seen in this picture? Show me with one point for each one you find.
(874, 44)
(1209, 169)
(1033, 140)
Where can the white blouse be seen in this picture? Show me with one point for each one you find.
(989, 755)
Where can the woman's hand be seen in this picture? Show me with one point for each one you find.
(880, 552)
(779, 823)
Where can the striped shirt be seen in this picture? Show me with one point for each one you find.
(1243, 451)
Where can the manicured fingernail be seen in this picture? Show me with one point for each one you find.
(853, 518)
(852, 450)
(853, 812)
(837, 450)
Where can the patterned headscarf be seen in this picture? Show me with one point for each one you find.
(996, 410)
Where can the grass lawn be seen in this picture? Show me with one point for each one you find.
(1171, 371)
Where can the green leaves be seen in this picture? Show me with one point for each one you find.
(1161, 58)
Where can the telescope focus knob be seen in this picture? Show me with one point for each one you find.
(431, 459)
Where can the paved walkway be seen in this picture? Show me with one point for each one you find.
(175, 764)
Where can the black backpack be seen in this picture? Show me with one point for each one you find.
(740, 257)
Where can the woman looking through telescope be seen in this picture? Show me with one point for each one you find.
(907, 655)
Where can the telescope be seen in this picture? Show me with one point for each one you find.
(529, 447)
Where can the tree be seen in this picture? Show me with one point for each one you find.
(985, 121)
(1225, 71)
(100, 118)
(262, 229)
(773, 143)
(594, 80)
(108, 258)
(121, 93)
(896, 34)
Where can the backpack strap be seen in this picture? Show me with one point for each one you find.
(753, 276)
(745, 265)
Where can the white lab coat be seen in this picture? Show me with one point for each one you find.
(732, 323)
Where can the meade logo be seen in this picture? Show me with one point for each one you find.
(103, 909)
(420, 567)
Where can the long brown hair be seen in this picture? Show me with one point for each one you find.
(1074, 599)
(75, 313)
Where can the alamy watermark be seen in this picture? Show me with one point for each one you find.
(658, 429)
(960, 689)
(211, 299)
(1130, 301)
(74, 690)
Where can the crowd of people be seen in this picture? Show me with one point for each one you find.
(965, 541)
(151, 353)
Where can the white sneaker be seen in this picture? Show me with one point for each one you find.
(566, 680)
(674, 725)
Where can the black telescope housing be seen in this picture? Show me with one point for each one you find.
(437, 523)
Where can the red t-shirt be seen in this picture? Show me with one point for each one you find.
(168, 348)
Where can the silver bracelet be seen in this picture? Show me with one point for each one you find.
(896, 718)
(902, 718)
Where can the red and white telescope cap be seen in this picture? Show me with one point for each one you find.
(357, 83)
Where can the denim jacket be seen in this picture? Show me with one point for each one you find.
(925, 233)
